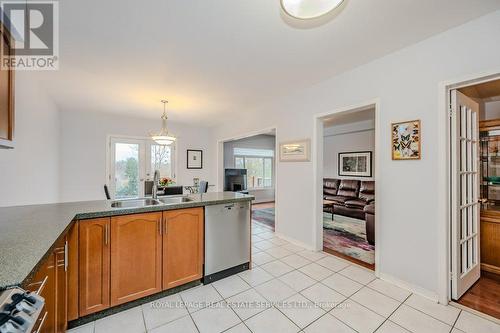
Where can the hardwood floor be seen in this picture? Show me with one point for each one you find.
(263, 205)
(484, 295)
(348, 258)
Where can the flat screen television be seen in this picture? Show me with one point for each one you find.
(235, 180)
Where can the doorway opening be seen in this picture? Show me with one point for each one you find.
(475, 196)
(348, 184)
(249, 166)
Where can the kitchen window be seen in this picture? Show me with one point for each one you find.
(259, 164)
(133, 161)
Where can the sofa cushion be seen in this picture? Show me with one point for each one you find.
(329, 191)
(367, 191)
(330, 186)
(337, 199)
(370, 209)
(348, 188)
(355, 203)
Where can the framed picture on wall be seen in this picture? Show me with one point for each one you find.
(355, 164)
(194, 159)
(295, 151)
(406, 140)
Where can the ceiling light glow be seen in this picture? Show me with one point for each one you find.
(309, 9)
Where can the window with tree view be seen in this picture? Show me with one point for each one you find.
(259, 165)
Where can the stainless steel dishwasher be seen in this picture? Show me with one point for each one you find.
(227, 240)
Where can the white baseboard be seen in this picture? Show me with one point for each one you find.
(410, 287)
(295, 242)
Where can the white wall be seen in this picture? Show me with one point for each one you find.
(259, 142)
(356, 137)
(29, 173)
(492, 110)
(407, 86)
(83, 150)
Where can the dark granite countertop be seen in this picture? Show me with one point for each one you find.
(28, 233)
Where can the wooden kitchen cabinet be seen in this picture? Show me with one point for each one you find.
(7, 95)
(136, 251)
(73, 269)
(61, 290)
(49, 281)
(94, 265)
(182, 246)
(123, 258)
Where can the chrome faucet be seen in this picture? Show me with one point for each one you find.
(156, 180)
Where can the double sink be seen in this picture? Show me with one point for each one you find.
(145, 202)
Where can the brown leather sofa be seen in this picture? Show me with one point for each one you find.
(350, 198)
(370, 223)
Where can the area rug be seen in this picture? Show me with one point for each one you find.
(347, 236)
(264, 216)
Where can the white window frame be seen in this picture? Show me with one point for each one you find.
(145, 170)
(263, 180)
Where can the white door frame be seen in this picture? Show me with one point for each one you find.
(444, 200)
(220, 163)
(317, 160)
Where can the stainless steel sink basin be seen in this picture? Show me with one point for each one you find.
(175, 200)
(134, 203)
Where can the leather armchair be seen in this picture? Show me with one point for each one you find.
(370, 223)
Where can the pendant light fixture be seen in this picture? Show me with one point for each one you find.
(309, 9)
(163, 137)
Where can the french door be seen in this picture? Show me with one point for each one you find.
(133, 161)
(465, 205)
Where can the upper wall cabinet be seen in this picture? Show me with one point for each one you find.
(6, 92)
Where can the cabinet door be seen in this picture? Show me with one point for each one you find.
(182, 246)
(94, 257)
(43, 283)
(135, 256)
(49, 294)
(61, 291)
(72, 265)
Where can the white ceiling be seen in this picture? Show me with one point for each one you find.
(211, 58)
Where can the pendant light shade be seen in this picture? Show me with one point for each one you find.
(309, 9)
(163, 137)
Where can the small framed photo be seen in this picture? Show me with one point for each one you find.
(295, 151)
(355, 164)
(406, 140)
(194, 159)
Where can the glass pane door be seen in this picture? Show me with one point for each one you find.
(134, 161)
(127, 171)
(161, 159)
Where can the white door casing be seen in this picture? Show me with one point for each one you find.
(465, 205)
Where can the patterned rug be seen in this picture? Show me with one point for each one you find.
(348, 236)
(264, 216)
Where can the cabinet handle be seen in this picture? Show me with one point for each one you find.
(66, 256)
(106, 235)
(42, 322)
(42, 285)
(166, 225)
(160, 227)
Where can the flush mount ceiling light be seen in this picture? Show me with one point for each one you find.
(309, 9)
(163, 137)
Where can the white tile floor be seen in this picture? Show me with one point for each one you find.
(293, 290)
